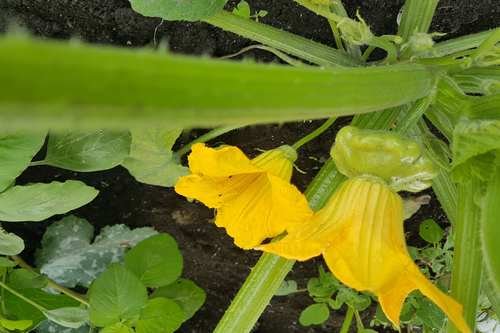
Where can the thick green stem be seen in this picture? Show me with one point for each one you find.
(460, 44)
(255, 294)
(53, 84)
(417, 17)
(490, 229)
(284, 41)
(467, 260)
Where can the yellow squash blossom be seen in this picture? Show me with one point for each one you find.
(253, 197)
(360, 231)
(360, 235)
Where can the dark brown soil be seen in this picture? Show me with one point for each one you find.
(210, 257)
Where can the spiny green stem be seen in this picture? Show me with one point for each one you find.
(467, 261)
(68, 292)
(21, 296)
(347, 320)
(314, 134)
(46, 80)
(460, 44)
(206, 137)
(284, 41)
(417, 17)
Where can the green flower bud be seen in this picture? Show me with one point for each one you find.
(400, 162)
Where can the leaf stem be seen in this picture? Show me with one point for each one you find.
(21, 296)
(467, 261)
(295, 45)
(52, 284)
(206, 137)
(37, 163)
(347, 320)
(417, 17)
(359, 322)
(314, 134)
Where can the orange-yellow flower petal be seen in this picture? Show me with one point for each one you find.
(253, 198)
(360, 234)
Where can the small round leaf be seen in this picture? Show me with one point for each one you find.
(314, 314)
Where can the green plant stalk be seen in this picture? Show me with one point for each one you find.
(205, 137)
(314, 134)
(460, 44)
(417, 17)
(347, 320)
(467, 260)
(338, 8)
(270, 271)
(52, 84)
(490, 229)
(295, 45)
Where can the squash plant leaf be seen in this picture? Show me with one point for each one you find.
(87, 151)
(10, 244)
(185, 293)
(430, 231)
(314, 314)
(160, 315)
(156, 261)
(171, 10)
(21, 310)
(24, 279)
(116, 295)
(37, 202)
(69, 257)
(16, 152)
(151, 159)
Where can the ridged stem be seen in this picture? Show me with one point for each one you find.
(467, 259)
(284, 41)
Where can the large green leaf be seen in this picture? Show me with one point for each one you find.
(69, 257)
(116, 295)
(160, 315)
(16, 152)
(490, 230)
(184, 292)
(189, 10)
(474, 137)
(21, 310)
(151, 159)
(87, 151)
(38, 202)
(156, 261)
